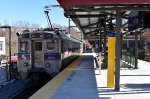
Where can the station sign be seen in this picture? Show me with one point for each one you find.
(131, 37)
(91, 38)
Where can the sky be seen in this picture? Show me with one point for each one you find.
(32, 11)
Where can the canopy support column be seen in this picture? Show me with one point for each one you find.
(118, 50)
(105, 53)
(136, 50)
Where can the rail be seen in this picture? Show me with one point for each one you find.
(26, 92)
(34, 84)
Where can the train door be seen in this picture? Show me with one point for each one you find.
(37, 54)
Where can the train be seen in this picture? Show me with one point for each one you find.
(46, 52)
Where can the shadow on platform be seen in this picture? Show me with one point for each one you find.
(134, 75)
(137, 87)
(126, 89)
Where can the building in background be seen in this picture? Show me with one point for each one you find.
(2, 46)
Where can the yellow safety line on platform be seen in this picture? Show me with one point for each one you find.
(47, 91)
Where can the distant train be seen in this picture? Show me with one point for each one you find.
(46, 52)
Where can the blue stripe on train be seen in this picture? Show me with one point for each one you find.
(52, 56)
(23, 56)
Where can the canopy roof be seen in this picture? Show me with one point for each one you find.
(66, 3)
(90, 15)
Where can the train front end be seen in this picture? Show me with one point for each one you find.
(38, 52)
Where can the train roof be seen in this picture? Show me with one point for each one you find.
(60, 34)
(68, 36)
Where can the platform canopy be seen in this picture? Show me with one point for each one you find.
(93, 15)
(100, 17)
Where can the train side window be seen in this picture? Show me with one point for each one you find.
(38, 46)
(62, 45)
(50, 46)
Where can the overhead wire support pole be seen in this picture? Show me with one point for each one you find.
(10, 52)
(118, 49)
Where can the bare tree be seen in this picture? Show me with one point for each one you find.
(22, 25)
(16, 27)
(146, 37)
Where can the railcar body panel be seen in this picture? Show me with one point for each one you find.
(45, 52)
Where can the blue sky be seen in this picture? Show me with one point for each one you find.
(31, 11)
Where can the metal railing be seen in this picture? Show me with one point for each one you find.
(128, 60)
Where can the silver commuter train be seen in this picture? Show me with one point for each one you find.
(46, 52)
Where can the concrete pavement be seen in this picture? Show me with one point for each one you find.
(86, 82)
(134, 83)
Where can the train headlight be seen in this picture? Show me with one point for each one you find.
(26, 64)
(48, 64)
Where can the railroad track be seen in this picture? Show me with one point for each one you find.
(34, 84)
(27, 92)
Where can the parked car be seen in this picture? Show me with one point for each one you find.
(3, 61)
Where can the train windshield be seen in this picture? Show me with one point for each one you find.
(50, 46)
(24, 46)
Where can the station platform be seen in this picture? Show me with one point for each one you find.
(82, 80)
